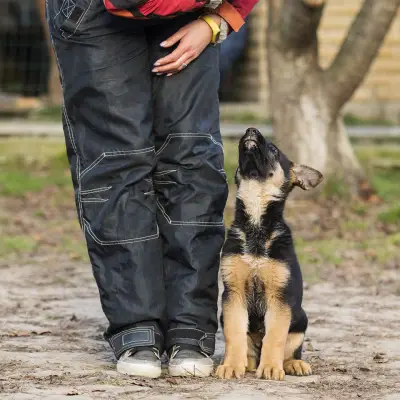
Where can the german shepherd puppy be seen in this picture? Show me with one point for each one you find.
(264, 323)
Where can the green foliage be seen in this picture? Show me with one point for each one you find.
(335, 188)
(390, 216)
(16, 244)
(48, 114)
(29, 165)
(352, 120)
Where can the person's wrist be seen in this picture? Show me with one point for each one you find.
(215, 17)
(213, 21)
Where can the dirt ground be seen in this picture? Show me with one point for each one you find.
(51, 344)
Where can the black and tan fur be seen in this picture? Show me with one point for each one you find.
(264, 323)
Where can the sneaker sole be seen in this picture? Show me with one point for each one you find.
(188, 368)
(140, 370)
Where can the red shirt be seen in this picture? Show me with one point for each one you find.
(233, 11)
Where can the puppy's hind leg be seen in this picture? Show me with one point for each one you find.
(253, 353)
(293, 364)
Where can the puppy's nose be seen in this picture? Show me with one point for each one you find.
(252, 132)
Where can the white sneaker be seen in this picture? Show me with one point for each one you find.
(144, 363)
(187, 362)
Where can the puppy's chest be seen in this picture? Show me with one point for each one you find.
(265, 273)
(266, 279)
(256, 244)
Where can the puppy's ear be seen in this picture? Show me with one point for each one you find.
(305, 177)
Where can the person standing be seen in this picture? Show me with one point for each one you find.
(141, 120)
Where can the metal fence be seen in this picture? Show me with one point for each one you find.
(24, 55)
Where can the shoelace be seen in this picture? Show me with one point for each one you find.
(176, 349)
(132, 352)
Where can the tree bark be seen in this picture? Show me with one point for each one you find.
(305, 100)
(54, 85)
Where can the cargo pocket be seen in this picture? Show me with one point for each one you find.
(69, 15)
(117, 198)
(190, 181)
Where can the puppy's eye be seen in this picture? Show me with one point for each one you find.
(271, 174)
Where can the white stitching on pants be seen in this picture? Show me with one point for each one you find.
(192, 329)
(59, 11)
(160, 207)
(112, 154)
(97, 190)
(67, 7)
(124, 241)
(185, 223)
(161, 173)
(133, 330)
(187, 135)
(164, 182)
(79, 22)
(79, 190)
(69, 127)
(93, 200)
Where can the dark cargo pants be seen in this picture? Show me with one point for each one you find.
(147, 167)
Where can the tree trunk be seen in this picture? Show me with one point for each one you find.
(54, 86)
(304, 125)
(307, 121)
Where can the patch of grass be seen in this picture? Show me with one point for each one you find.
(354, 225)
(390, 216)
(16, 244)
(318, 256)
(352, 120)
(18, 182)
(31, 165)
(48, 114)
(245, 117)
(31, 149)
(359, 208)
(335, 188)
(231, 160)
(383, 180)
(76, 249)
(386, 183)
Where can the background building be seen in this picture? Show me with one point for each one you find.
(377, 98)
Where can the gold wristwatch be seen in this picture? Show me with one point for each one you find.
(216, 30)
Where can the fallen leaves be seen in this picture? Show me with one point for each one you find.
(73, 393)
(339, 369)
(36, 332)
(172, 381)
(380, 358)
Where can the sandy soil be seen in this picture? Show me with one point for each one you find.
(51, 344)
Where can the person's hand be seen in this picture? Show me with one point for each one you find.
(193, 39)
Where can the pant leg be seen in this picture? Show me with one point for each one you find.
(106, 79)
(191, 190)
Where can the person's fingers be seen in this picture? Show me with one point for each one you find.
(184, 65)
(175, 38)
(178, 64)
(170, 58)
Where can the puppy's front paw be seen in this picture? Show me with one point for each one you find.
(270, 371)
(226, 371)
(297, 367)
